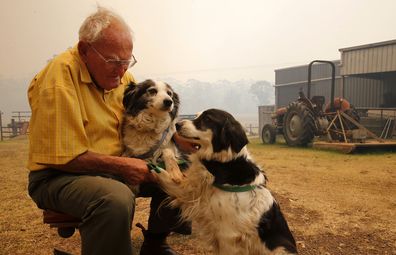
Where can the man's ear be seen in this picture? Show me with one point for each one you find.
(82, 50)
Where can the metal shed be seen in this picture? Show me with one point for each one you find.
(370, 58)
(365, 75)
(369, 74)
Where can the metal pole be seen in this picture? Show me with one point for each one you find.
(1, 126)
(309, 79)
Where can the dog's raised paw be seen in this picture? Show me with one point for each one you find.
(176, 175)
(162, 175)
(178, 178)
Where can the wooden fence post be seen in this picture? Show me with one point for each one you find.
(14, 128)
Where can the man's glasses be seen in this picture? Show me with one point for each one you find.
(116, 62)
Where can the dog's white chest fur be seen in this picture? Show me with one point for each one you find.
(145, 130)
(234, 219)
(227, 221)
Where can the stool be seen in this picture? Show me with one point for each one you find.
(66, 224)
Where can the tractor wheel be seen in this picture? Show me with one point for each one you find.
(268, 135)
(298, 124)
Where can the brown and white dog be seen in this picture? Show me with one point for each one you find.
(225, 192)
(151, 109)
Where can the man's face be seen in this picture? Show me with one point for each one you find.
(115, 44)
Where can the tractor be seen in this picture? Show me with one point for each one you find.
(306, 118)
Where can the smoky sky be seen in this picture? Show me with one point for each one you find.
(199, 39)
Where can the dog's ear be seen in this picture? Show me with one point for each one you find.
(128, 94)
(176, 103)
(129, 98)
(231, 135)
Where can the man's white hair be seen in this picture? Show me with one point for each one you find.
(92, 27)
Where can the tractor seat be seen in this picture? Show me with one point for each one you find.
(318, 101)
(66, 224)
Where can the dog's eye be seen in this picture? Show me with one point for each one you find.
(152, 91)
(170, 93)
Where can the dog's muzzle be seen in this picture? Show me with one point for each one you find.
(167, 103)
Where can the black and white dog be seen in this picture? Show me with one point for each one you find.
(225, 192)
(151, 108)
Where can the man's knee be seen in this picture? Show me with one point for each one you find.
(119, 202)
(119, 205)
(108, 220)
(106, 199)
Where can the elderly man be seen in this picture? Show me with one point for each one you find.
(75, 146)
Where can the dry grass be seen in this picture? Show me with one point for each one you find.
(335, 203)
(21, 228)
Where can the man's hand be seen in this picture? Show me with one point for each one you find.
(185, 145)
(133, 170)
(137, 172)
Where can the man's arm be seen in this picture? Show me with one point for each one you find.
(134, 171)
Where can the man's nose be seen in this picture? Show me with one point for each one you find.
(121, 69)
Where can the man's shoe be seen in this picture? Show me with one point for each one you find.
(155, 247)
(155, 244)
(183, 229)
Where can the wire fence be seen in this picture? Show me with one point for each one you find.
(252, 130)
(19, 125)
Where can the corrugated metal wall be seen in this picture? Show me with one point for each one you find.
(371, 58)
(372, 92)
(286, 94)
(389, 99)
(363, 92)
(289, 81)
(300, 73)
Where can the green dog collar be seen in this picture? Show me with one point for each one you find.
(227, 188)
(161, 165)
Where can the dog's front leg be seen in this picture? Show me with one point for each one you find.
(171, 166)
(168, 184)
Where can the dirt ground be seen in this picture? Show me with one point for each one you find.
(334, 203)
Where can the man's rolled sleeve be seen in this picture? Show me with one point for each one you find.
(59, 135)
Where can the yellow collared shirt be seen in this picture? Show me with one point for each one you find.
(70, 114)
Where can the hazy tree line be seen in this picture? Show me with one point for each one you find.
(239, 97)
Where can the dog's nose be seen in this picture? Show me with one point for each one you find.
(167, 102)
(178, 126)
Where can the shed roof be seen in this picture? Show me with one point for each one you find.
(369, 58)
(369, 45)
